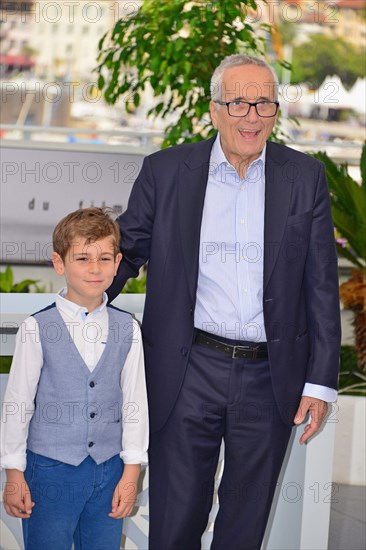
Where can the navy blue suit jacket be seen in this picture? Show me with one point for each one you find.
(300, 301)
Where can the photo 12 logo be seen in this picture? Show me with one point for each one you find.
(69, 11)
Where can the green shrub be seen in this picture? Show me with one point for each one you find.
(7, 282)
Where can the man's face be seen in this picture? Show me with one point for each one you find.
(243, 139)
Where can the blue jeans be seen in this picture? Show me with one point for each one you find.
(72, 504)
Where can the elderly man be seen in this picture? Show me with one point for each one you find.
(241, 323)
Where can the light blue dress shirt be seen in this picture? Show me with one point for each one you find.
(230, 277)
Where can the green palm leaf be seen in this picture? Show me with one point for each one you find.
(348, 200)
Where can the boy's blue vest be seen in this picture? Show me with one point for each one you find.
(78, 412)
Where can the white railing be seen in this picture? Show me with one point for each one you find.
(144, 141)
(301, 508)
(80, 139)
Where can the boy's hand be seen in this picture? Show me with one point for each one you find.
(17, 497)
(125, 494)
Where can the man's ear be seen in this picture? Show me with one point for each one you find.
(213, 114)
(117, 261)
(58, 263)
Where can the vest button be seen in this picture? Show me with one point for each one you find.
(92, 384)
(90, 444)
(92, 415)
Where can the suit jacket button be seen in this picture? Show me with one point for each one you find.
(184, 351)
(191, 310)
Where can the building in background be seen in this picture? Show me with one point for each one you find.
(59, 38)
(65, 36)
(16, 52)
(346, 20)
(335, 18)
(48, 53)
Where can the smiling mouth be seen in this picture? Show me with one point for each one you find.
(249, 133)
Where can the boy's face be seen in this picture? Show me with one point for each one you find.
(88, 269)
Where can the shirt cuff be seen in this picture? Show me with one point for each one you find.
(320, 392)
(13, 462)
(134, 458)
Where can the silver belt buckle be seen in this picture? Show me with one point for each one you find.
(245, 348)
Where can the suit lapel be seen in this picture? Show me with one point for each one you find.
(191, 195)
(192, 184)
(277, 201)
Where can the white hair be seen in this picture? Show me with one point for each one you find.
(237, 60)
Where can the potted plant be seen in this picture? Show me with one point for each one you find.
(7, 282)
(348, 200)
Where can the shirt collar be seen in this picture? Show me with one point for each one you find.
(73, 310)
(218, 157)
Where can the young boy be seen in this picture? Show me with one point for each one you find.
(75, 432)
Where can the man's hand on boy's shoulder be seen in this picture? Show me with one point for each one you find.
(17, 497)
(125, 494)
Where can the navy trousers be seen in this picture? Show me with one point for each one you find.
(221, 399)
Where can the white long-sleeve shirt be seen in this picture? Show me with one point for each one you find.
(89, 333)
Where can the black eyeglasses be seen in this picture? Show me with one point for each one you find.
(265, 109)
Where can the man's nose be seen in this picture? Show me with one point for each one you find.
(252, 114)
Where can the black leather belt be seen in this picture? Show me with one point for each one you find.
(235, 352)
